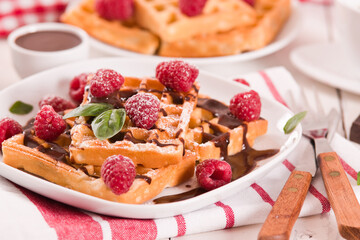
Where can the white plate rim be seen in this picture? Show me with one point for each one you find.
(147, 211)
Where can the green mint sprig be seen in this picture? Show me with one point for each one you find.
(293, 122)
(107, 122)
(21, 108)
(88, 110)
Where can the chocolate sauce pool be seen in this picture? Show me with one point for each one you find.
(241, 163)
(48, 41)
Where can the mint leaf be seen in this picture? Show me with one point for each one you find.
(358, 178)
(108, 123)
(90, 109)
(21, 108)
(293, 122)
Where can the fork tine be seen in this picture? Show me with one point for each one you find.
(291, 102)
(306, 101)
(320, 110)
(294, 103)
(311, 116)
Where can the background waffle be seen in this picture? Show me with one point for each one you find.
(216, 134)
(120, 34)
(147, 184)
(158, 147)
(271, 16)
(164, 18)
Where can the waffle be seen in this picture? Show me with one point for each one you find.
(164, 18)
(216, 134)
(148, 183)
(158, 147)
(120, 34)
(271, 14)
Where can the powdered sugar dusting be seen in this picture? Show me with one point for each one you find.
(177, 75)
(105, 82)
(8, 128)
(118, 173)
(58, 103)
(48, 124)
(246, 106)
(143, 109)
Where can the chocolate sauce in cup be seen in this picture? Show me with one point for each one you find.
(48, 41)
(37, 47)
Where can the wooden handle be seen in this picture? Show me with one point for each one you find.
(341, 195)
(287, 207)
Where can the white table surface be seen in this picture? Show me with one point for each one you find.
(315, 27)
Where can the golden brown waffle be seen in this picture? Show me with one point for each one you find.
(35, 160)
(158, 147)
(120, 34)
(164, 18)
(215, 134)
(272, 14)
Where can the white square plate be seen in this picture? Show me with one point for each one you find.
(56, 81)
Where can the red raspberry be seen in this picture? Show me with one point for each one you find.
(105, 82)
(177, 75)
(77, 87)
(48, 124)
(115, 9)
(191, 7)
(246, 106)
(58, 103)
(143, 109)
(250, 2)
(243, 81)
(118, 173)
(213, 173)
(8, 128)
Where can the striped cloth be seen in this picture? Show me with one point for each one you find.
(27, 215)
(16, 13)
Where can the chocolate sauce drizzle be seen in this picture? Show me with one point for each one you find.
(118, 99)
(146, 178)
(51, 149)
(179, 197)
(241, 163)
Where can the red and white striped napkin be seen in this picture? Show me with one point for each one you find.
(16, 13)
(27, 215)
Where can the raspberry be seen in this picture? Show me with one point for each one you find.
(213, 173)
(177, 75)
(250, 2)
(115, 9)
(105, 82)
(191, 7)
(246, 106)
(48, 124)
(243, 81)
(8, 128)
(77, 87)
(59, 104)
(143, 109)
(118, 173)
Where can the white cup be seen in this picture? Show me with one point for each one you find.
(347, 31)
(28, 62)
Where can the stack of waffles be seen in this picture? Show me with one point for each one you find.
(191, 128)
(225, 27)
